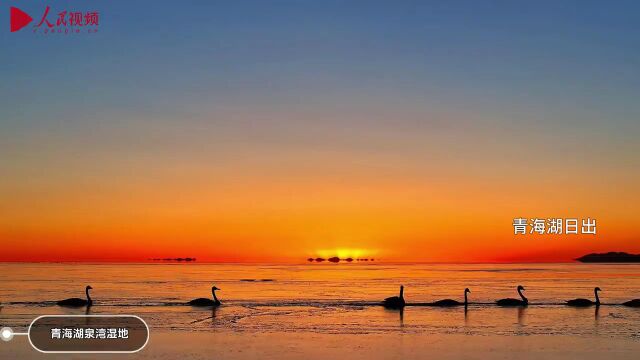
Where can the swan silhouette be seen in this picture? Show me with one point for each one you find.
(206, 301)
(395, 302)
(450, 302)
(630, 303)
(77, 302)
(585, 302)
(514, 302)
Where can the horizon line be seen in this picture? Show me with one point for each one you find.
(301, 262)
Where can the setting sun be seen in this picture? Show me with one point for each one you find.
(344, 253)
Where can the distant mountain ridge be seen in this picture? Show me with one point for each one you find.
(610, 257)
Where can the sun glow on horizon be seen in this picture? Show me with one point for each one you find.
(344, 253)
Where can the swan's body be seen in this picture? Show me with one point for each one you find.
(395, 302)
(207, 301)
(586, 302)
(632, 303)
(523, 301)
(450, 302)
(77, 302)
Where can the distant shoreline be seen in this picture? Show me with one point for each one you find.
(610, 257)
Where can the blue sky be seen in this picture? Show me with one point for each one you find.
(568, 56)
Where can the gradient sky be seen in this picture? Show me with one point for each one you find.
(273, 131)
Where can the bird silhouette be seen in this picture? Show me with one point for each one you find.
(207, 301)
(450, 302)
(514, 302)
(395, 302)
(77, 302)
(632, 303)
(585, 302)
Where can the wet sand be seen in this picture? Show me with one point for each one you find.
(311, 346)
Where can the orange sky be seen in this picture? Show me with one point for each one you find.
(288, 205)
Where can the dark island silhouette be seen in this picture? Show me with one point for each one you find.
(610, 257)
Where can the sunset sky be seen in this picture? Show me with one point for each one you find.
(247, 131)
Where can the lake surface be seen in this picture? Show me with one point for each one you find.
(332, 298)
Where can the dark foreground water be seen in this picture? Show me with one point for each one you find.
(332, 298)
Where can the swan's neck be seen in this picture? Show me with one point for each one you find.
(401, 293)
(88, 297)
(465, 298)
(522, 296)
(597, 298)
(214, 295)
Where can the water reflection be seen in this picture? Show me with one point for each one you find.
(400, 315)
(313, 298)
(521, 315)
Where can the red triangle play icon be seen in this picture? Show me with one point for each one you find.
(19, 19)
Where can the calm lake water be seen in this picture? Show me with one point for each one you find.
(331, 298)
